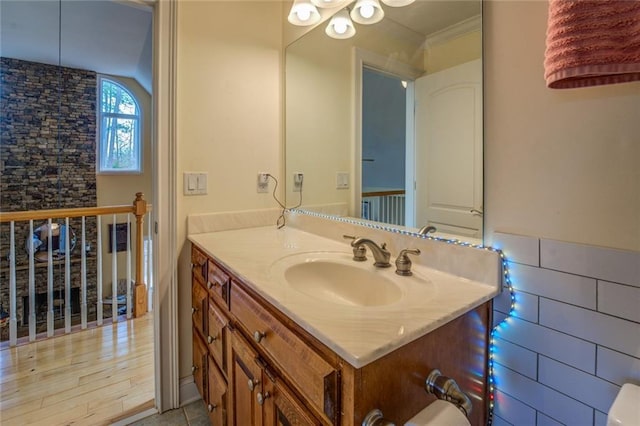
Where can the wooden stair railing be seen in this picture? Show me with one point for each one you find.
(138, 208)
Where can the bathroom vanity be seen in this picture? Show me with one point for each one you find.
(269, 350)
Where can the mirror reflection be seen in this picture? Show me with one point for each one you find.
(387, 125)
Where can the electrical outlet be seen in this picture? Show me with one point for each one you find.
(263, 182)
(298, 178)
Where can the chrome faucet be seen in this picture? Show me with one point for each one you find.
(426, 229)
(380, 253)
(403, 263)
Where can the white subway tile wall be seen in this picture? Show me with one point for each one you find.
(574, 338)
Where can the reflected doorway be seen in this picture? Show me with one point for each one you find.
(387, 146)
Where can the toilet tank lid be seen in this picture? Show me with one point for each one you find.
(625, 409)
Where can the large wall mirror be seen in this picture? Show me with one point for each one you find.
(387, 125)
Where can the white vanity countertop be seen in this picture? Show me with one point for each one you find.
(359, 335)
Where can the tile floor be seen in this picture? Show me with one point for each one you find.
(194, 414)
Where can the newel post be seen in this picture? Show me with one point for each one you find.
(140, 290)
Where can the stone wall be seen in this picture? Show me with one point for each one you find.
(47, 161)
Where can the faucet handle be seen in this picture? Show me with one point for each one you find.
(359, 252)
(403, 263)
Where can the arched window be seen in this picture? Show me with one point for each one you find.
(119, 146)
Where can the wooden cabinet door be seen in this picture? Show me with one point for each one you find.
(217, 336)
(199, 307)
(199, 366)
(282, 407)
(217, 401)
(245, 383)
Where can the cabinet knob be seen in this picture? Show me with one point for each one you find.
(211, 339)
(194, 310)
(193, 369)
(211, 284)
(258, 336)
(211, 407)
(252, 384)
(261, 398)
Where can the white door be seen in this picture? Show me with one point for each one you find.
(449, 149)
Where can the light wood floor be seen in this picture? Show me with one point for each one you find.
(84, 378)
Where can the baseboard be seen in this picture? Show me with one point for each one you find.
(188, 391)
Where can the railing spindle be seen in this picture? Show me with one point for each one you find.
(32, 286)
(67, 278)
(50, 312)
(99, 270)
(13, 320)
(114, 272)
(83, 277)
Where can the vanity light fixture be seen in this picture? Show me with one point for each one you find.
(303, 13)
(367, 12)
(340, 26)
(397, 3)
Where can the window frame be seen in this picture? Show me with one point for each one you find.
(99, 119)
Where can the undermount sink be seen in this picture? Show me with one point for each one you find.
(334, 277)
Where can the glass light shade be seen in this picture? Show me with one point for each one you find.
(367, 12)
(325, 3)
(303, 13)
(340, 26)
(397, 3)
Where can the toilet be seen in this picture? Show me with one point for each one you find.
(625, 410)
(439, 413)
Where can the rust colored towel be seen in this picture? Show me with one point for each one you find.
(592, 42)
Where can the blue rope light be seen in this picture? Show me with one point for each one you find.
(506, 282)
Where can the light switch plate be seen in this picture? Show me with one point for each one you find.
(342, 180)
(195, 183)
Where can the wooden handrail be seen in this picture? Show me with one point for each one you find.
(74, 212)
(383, 193)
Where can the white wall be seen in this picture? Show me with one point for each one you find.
(560, 165)
(229, 117)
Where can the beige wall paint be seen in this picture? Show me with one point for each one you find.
(114, 189)
(228, 117)
(561, 164)
(454, 52)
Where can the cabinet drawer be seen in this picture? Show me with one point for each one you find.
(312, 376)
(217, 338)
(199, 264)
(218, 284)
(199, 308)
(217, 402)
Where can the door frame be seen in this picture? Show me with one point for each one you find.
(364, 58)
(165, 294)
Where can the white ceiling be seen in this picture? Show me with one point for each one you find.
(109, 37)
